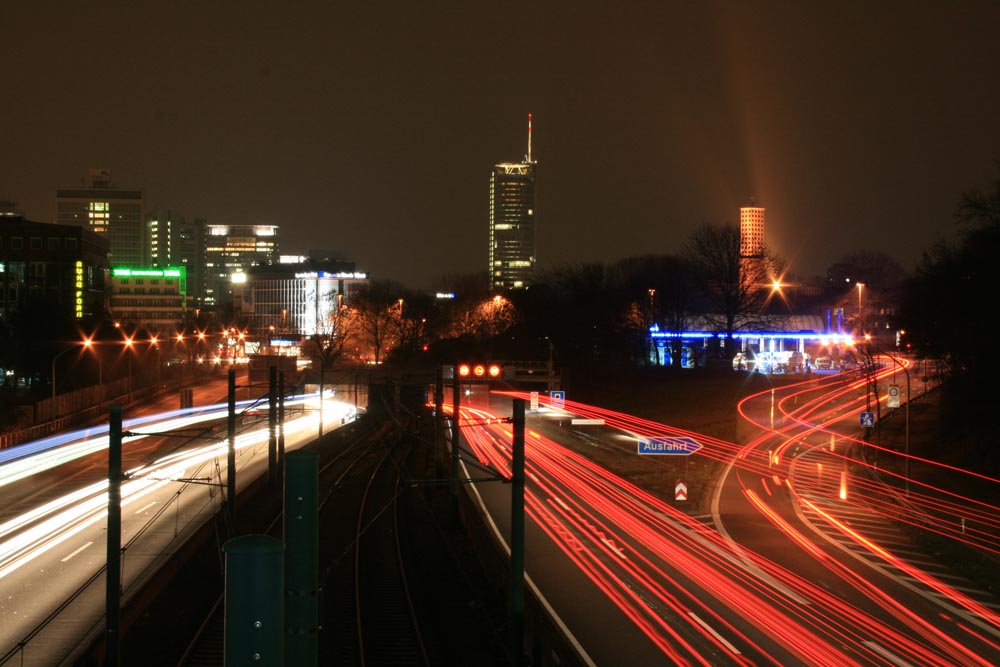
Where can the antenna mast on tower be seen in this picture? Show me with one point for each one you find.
(529, 138)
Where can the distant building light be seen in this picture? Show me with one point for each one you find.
(340, 275)
(445, 295)
(238, 278)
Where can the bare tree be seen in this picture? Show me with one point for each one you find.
(881, 278)
(735, 288)
(328, 346)
(375, 312)
(980, 208)
(658, 289)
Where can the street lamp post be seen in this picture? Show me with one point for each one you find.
(53, 409)
(128, 346)
(89, 343)
(906, 371)
(861, 325)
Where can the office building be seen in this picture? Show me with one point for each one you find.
(512, 255)
(66, 263)
(153, 299)
(234, 249)
(174, 241)
(108, 210)
(294, 300)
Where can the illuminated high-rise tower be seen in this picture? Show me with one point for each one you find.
(174, 241)
(108, 210)
(752, 267)
(512, 222)
(230, 251)
(751, 231)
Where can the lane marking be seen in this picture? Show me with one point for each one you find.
(885, 653)
(714, 633)
(143, 509)
(76, 552)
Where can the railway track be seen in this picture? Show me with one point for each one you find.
(388, 631)
(391, 586)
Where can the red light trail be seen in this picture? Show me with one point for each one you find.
(696, 594)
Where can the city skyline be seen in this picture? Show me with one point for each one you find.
(367, 130)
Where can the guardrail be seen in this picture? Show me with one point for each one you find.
(79, 417)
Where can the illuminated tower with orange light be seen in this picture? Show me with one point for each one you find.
(751, 241)
(512, 222)
(751, 231)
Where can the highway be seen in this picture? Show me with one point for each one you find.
(53, 527)
(803, 552)
(797, 562)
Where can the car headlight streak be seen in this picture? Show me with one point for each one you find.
(40, 529)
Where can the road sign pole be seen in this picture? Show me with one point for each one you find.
(113, 570)
(517, 536)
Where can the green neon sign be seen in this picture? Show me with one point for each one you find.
(169, 272)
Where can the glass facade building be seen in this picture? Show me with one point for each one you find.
(512, 225)
(232, 250)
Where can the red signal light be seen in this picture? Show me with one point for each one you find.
(494, 371)
(464, 370)
(479, 371)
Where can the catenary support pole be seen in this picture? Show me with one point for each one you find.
(301, 528)
(113, 573)
(438, 418)
(231, 450)
(517, 537)
(321, 364)
(281, 420)
(456, 402)
(254, 598)
(272, 425)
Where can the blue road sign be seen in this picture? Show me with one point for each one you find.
(868, 419)
(669, 445)
(557, 399)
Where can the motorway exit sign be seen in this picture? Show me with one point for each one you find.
(669, 445)
(557, 399)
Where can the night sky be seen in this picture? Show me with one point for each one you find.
(369, 128)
